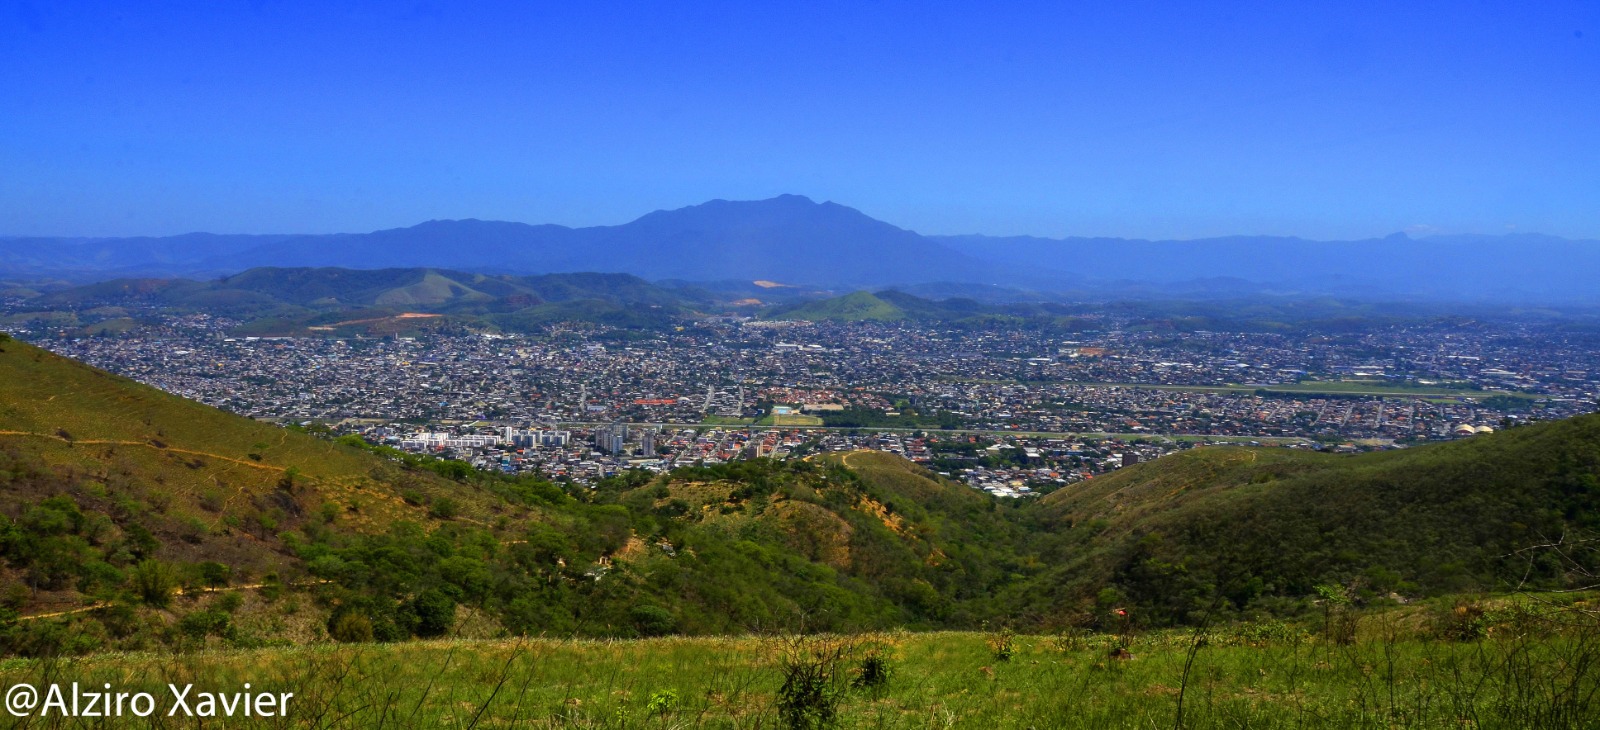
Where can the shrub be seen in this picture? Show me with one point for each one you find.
(200, 624)
(1474, 620)
(14, 596)
(662, 702)
(375, 619)
(93, 574)
(652, 620)
(271, 588)
(230, 602)
(435, 613)
(154, 581)
(1339, 619)
(1002, 644)
(350, 628)
(1465, 621)
(213, 574)
(809, 697)
(443, 508)
(872, 673)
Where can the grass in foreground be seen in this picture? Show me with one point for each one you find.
(1517, 676)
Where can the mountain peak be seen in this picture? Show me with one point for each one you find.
(781, 211)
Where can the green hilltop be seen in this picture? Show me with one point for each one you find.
(858, 306)
(1256, 526)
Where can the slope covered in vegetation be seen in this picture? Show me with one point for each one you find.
(121, 506)
(1242, 528)
(132, 518)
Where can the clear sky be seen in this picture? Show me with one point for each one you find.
(1160, 119)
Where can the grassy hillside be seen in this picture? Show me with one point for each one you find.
(1254, 527)
(71, 426)
(350, 301)
(112, 492)
(854, 307)
(115, 498)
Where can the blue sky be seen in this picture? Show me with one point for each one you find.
(1136, 119)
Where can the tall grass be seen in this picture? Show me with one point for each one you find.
(1536, 669)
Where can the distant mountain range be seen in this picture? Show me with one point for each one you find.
(340, 302)
(792, 239)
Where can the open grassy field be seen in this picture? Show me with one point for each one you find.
(791, 419)
(1259, 676)
(1384, 387)
(771, 420)
(715, 420)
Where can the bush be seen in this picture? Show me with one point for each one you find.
(662, 703)
(652, 620)
(214, 575)
(444, 508)
(350, 628)
(365, 618)
(872, 673)
(154, 581)
(1474, 620)
(1339, 617)
(201, 624)
(809, 697)
(435, 613)
(1465, 621)
(1002, 644)
(14, 596)
(230, 602)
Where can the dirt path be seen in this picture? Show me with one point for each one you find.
(178, 592)
(146, 444)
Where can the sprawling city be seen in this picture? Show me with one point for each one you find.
(1016, 413)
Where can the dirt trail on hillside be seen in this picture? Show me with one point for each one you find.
(146, 444)
(178, 592)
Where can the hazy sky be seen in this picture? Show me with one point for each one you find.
(1160, 119)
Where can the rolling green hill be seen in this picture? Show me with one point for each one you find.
(120, 505)
(854, 307)
(358, 301)
(1254, 527)
(102, 478)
